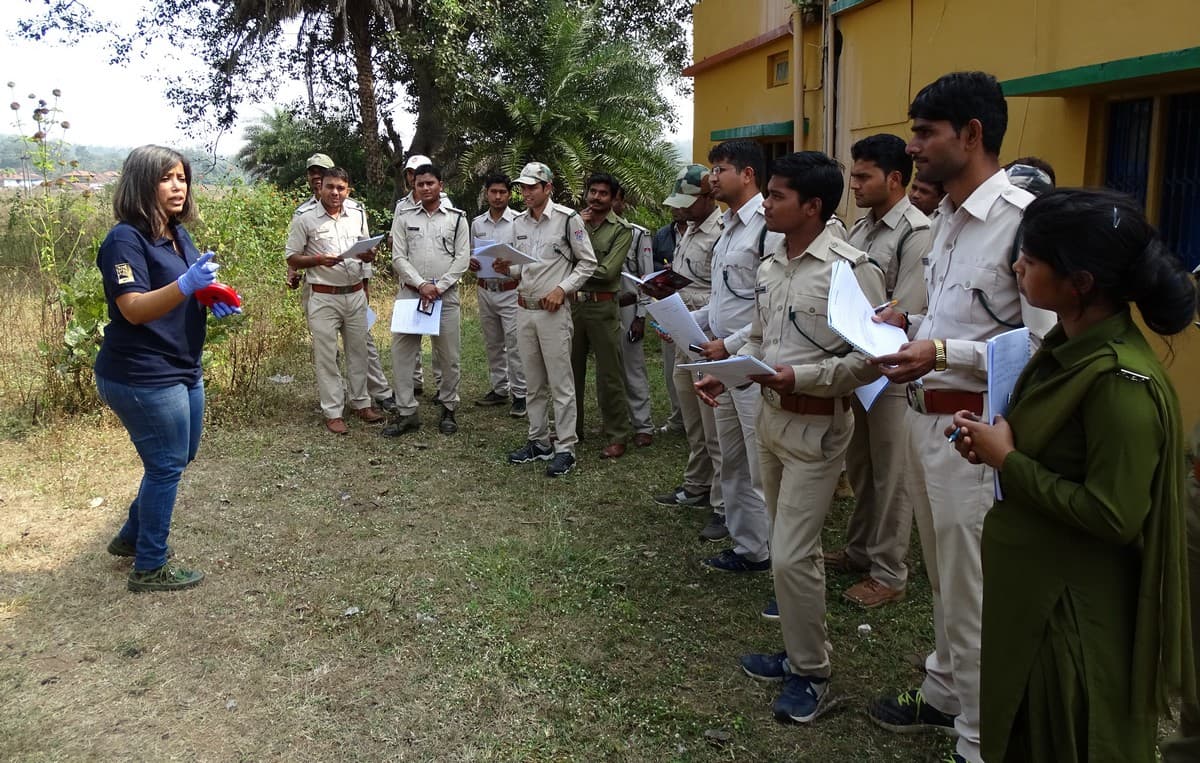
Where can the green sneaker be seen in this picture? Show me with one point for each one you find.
(166, 578)
(118, 547)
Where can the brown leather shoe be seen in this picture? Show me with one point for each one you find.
(869, 593)
(643, 439)
(840, 561)
(369, 415)
(615, 450)
(337, 426)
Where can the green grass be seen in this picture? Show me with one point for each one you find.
(493, 614)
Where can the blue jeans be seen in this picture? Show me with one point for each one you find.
(164, 425)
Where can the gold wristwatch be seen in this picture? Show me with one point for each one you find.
(939, 355)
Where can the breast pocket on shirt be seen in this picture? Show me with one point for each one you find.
(740, 279)
(808, 319)
(971, 293)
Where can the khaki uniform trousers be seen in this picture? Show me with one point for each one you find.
(703, 469)
(741, 482)
(637, 383)
(879, 529)
(675, 420)
(498, 323)
(801, 459)
(406, 350)
(950, 499)
(598, 330)
(544, 339)
(328, 316)
(377, 383)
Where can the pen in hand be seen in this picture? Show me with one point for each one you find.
(953, 438)
(880, 308)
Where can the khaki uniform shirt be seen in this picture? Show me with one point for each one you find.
(736, 256)
(639, 261)
(316, 232)
(971, 286)
(693, 258)
(500, 231)
(896, 243)
(611, 240)
(560, 244)
(430, 246)
(791, 324)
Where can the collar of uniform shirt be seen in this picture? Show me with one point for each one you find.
(819, 248)
(611, 217)
(981, 201)
(711, 222)
(745, 212)
(896, 213)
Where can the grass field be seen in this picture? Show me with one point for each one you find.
(412, 599)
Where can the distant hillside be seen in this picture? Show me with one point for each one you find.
(104, 158)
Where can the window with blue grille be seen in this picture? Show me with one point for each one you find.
(1127, 165)
(1179, 222)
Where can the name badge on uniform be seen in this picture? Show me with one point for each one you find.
(522, 238)
(925, 261)
(124, 273)
(760, 289)
(414, 227)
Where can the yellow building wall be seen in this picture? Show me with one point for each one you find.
(736, 95)
(721, 24)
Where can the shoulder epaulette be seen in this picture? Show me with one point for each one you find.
(847, 252)
(916, 219)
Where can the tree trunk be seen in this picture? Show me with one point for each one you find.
(359, 21)
(429, 137)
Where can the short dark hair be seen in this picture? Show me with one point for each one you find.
(496, 178)
(135, 200)
(741, 154)
(428, 169)
(336, 172)
(937, 184)
(813, 175)
(1106, 234)
(958, 98)
(1038, 162)
(605, 178)
(888, 152)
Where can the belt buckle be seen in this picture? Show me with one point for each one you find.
(772, 397)
(915, 392)
(583, 296)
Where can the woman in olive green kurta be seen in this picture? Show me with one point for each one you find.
(1085, 627)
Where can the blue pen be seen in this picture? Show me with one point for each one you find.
(959, 430)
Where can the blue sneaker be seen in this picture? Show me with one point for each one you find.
(731, 561)
(803, 699)
(770, 668)
(771, 611)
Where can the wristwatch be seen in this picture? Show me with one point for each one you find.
(939, 355)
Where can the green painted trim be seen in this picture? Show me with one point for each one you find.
(771, 129)
(838, 6)
(1108, 71)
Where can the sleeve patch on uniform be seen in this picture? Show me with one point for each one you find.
(579, 235)
(124, 273)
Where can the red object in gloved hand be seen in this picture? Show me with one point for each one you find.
(218, 292)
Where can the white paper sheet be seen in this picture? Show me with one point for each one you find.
(371, 318)
(1007, 356)
(850, 314)
(733, 371)
(407, 319)
(675, 319)
(867, 394)
(361, 246)
(487, 252)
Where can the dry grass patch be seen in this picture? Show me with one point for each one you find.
(420, 599)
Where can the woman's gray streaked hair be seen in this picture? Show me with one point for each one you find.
(136, 198)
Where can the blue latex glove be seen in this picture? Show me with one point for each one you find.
(200, 274)
(222, 310)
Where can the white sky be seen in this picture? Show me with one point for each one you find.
(117, 106)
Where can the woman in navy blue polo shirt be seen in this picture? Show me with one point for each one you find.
(148, 369)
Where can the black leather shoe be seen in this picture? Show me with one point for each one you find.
(447, 425)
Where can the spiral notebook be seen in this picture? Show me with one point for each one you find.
(850, 314)
(1007, 356)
